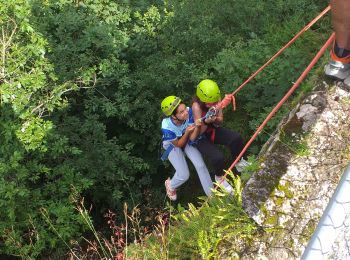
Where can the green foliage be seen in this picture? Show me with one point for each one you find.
(99, 120)
(220, 221)
(237, 60)
(29, 180)
(253, 167)
(297, 143)
(196, 232)
(51, 137)
(80, 84)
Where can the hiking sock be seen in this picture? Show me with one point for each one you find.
(341, 53)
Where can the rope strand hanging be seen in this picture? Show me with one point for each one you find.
(287, 95)
(230, 98)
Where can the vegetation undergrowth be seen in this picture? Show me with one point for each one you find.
(203, 232)
(297, 143)
(80, 87)
(254, 166)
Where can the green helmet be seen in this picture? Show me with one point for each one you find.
(169, 104)
(208, 91)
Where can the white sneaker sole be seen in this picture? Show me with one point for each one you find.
(171, 197)
(347, 81)
(241, 165)
(224, 184)
(337, 70)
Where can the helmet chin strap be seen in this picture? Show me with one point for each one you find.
(175, 117)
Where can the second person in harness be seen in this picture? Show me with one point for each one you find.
(212, 134)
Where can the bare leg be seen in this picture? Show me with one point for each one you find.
(341, 22)
(339, 64)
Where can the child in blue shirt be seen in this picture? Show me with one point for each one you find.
(178, 130)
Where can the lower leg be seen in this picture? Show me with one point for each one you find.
(341, 22)
(194, 155)
(177, 159)
(339, 64)
(205, 179)
(231, 139)
(214, 155)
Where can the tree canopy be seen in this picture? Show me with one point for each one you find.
(80, 88)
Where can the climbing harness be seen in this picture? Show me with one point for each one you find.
(166, 153)
(211, 112)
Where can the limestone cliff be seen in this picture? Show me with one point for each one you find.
(299, 171)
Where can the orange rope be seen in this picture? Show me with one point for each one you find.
(228, 97)
(283, 48)
(289, 93)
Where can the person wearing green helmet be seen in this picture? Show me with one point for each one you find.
(179, 129)
(211, 133)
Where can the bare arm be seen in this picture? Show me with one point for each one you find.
(196, 131)
(197, 114)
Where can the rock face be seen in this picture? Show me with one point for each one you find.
(300, 169)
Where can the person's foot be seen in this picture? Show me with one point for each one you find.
(347, 82)
(241, 165)
(221, 181)
(171, 193)
(338, 68)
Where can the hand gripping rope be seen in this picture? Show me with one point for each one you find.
(212, 112)
(230, 98)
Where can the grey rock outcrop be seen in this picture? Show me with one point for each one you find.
(300, 169)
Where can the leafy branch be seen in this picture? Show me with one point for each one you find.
(6, 40)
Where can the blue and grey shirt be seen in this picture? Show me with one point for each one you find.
(171, 131)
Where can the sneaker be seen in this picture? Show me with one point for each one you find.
(338, 68)
(220, 180)
(241, 165)
(347, 82)
(171, 193)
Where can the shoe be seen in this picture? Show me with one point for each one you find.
(347, 82)
(241, 165)
(220, 180)
(338, 68)
(171, 193)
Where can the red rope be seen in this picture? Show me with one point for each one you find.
(289, 93)
(283, 48)
(228, 97)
